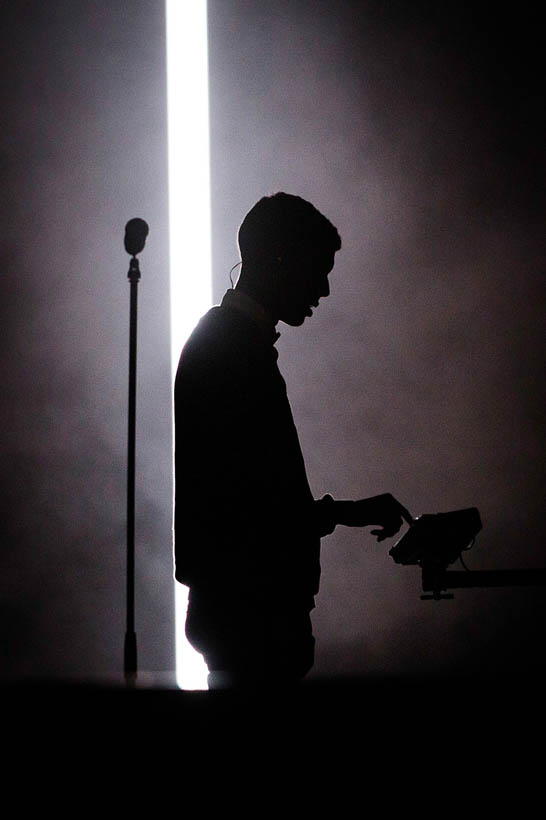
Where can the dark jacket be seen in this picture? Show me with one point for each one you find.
(245, 518)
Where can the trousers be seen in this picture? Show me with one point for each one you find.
(248, 642)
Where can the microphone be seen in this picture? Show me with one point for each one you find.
(136, 232)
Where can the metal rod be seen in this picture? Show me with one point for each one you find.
(456, 579)
(130, 648)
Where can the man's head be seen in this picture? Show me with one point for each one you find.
(287, 250)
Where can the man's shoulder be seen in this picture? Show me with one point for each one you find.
(218, 334)
(222, 347)
(224, 332)
(207, 330)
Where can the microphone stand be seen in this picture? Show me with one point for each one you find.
(130, 648)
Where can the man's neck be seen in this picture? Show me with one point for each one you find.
(254, 307)
(241, 301)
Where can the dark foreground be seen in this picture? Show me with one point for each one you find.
(434, 746)
(379, 710)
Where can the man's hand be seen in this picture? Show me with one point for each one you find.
(383, 510)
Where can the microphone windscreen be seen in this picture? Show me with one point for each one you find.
(136, 232)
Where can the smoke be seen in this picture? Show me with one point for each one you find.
(417, 129)
(416, 133)
(83, 150)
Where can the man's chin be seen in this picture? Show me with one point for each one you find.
(294, 321)
(297, 319)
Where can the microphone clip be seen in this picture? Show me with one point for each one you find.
(134, 270)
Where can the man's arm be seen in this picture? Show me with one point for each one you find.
(381, 510)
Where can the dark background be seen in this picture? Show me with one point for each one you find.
(418, 130)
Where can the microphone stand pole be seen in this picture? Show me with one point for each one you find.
(130, 648)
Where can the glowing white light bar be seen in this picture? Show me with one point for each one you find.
(189, 224)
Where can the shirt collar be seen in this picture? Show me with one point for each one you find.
(241, 301)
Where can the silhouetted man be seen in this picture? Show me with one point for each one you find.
(247, 529)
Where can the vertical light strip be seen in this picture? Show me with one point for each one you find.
(189, 224)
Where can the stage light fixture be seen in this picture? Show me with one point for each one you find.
(189, 225)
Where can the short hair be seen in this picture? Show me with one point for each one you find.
(277, 224)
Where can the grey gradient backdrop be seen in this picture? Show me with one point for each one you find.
(418, 130)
